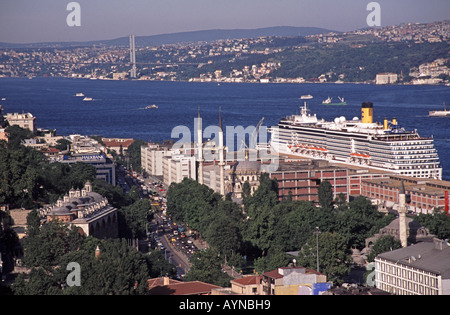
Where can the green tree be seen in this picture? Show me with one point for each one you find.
(207, 267)
(45, 247)
(16, 135)
(360, 220)
(275, 259)
(33, 224)
(192, 203)
(325, 192)
(334, 256)
(224, 235)
(134, 154)
(119, 270)
(296, 225)
(80, 173)
(260, 226)
(134, 219)
(383, 244)
(262, 218)
(115, 194)
(63, 144)
(246, 191)
(159, 266)
(437, 223)
(20, 172)
(267, 192)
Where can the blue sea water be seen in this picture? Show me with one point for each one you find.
(118, 107)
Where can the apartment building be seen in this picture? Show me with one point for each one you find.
(24, 120)
(177, 167)
(420, 269)
(152, 158)
(294, 281)
(386, 78)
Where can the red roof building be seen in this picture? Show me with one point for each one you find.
(250, 285)
(115, 144)
(167, 286)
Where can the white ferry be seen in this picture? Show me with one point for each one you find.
(358, 142)
(439, 113)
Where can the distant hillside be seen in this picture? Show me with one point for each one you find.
(212, 35)
(185, 37)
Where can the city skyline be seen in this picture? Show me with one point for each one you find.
(116, 18)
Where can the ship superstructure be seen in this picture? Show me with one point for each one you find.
(361, 142)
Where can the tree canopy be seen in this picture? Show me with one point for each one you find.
(264, 227)
(119, 269)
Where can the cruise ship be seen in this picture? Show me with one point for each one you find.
(360, 142)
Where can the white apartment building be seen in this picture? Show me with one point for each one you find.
(172, 164)
(420, 269)
(152, 158)
(25, 120)
(177, 167)
(211, 177)
(386, 78)
(85, 145)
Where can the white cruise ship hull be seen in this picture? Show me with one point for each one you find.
(388, 147)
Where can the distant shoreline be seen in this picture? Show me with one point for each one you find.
(221, 82)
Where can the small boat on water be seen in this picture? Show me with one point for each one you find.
(439, 113)
(87, 99)
(79, 94)
(328, 101)
(151, 106)
(306, 97)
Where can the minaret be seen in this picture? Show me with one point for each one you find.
(221, 156)
(200, 148)
(97, 252)
(402, 215)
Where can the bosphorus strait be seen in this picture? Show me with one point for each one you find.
(118, 108)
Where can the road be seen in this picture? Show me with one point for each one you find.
(177, 252)
(178, 258)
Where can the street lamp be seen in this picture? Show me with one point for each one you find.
(317, 232)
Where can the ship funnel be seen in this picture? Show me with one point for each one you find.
(386, 124)
(367, 113)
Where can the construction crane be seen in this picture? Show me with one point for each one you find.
(253, 137)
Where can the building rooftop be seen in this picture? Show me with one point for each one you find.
(307, 165)
(429, 256)
(116, 142)
(275, 274)
(420, 185)
(155, 282)
(182, 288)
(250, 280)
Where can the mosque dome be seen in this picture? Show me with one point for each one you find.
(246, 167)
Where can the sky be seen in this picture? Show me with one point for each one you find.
(30, 21)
